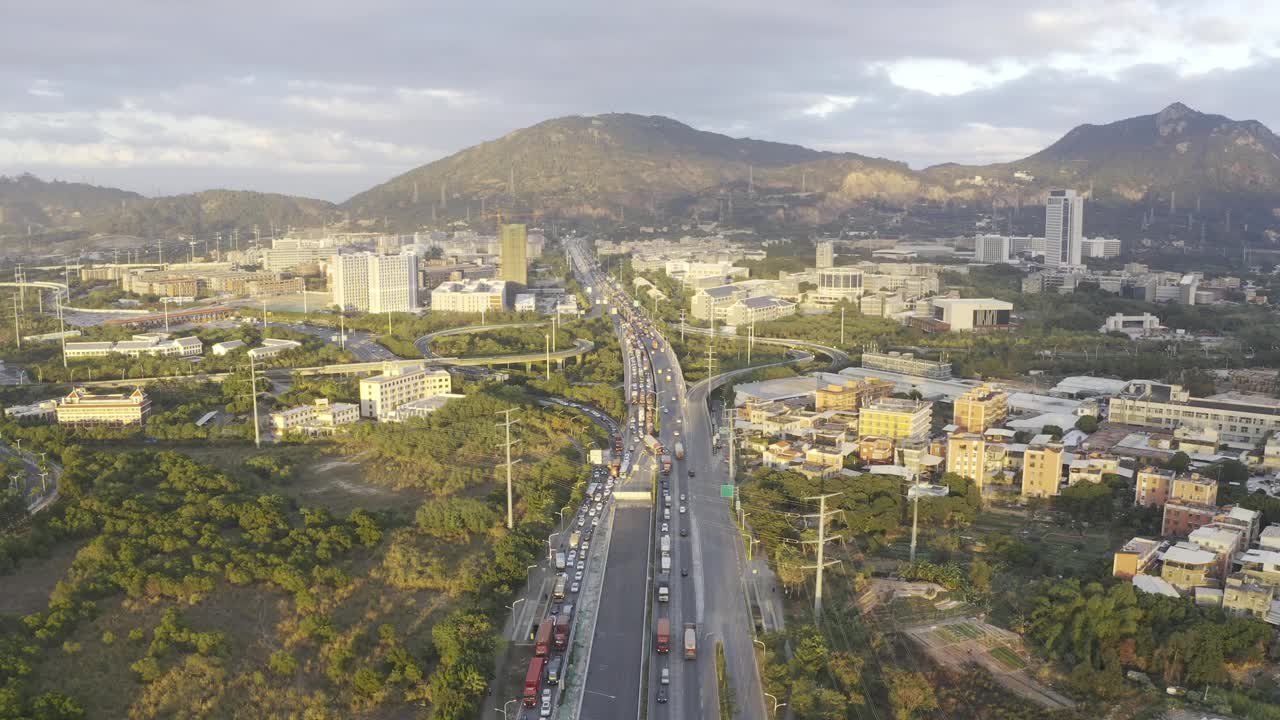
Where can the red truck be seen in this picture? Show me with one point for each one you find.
(665, 461)
(561, 633)
(533, 682)
(664, 635)
(542, 645)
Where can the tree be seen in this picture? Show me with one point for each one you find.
(1087, 424)
(1086, 501)
(909, 693)
(980, 574)
(1179, 462)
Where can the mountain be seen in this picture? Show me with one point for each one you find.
(636, 166)
(1177, 150)
(69, 211)
(594, 166)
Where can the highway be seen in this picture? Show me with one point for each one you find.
(704, 542)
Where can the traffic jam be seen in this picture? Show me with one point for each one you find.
(640, 432)
(551, 636)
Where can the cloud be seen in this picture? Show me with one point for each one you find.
(314, 99)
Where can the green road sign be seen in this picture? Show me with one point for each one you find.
(726, 491)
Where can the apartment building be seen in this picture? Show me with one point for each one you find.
(1223, 541)
(283, 259)
(895, 418)
(993, 249)
(1042, 470)
(852, 395)
(470, 296)
(1239, 419)
(1135, 557)
(981, 408)
(1092, 468)
(381, 394)
(514, 257)
(1188, 566)
(906, 363)
(751, 310)
(972, 456)
(1261, 565)
(83, 408)
(272, 347)
(375, 283)
(145, 344)
(322, 416)
(714, 302)
(1152, 487)
(1244, 596)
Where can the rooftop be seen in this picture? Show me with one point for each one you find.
(1188, 553)
(1154, 585)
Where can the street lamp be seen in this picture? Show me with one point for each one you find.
(549, 551)
(512, 606)
(776, 704)
(503, 710)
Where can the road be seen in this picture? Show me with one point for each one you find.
(839, 358)
(363, 345)
(705, 543)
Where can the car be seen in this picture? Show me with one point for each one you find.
(595, 521)
(682, 497)
(573, 555)
(664, 528)
(684, 532)
(682, 509)
(666, 676)
(585, 546)
(546, 694)
(581, 521)
(662, 694)
(666, 410)
(575, 587)
(546, 709)
(691, 472)
(684, 572)
(577, 577)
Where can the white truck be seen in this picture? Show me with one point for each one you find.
(560, 560)
(665, 544)
(666, 563)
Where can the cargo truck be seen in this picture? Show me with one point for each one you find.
(665, 563)
(652, 445)
(558, 591)
(542, 643)
(663, 644)
(665, 460)
(560, 635)
(664, 587)
(679, 451)
(533, 682)
(574, 539)
(690, 641)
(665, 544)
(560, 560)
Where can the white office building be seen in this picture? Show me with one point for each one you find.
(836, 284)
(382, 394)
(375, 283)
(1063, 228)
(826, 254)
(469, 296)
(991, 249)
(1100, 247)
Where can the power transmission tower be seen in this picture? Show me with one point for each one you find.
(822, 544)
(507, 423)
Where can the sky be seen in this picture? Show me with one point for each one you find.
(327, 98)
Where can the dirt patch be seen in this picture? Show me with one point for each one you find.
(27, 589)
(958, 642)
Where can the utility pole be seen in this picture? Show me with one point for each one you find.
(342, 329)
(507, 423)
(737, 498)
(682, 327)
(253, 394)
(841, 324)
(17, 324)
(62, 329)
(822, 543)
(548, 338)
